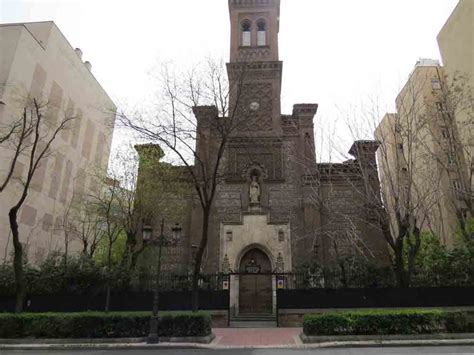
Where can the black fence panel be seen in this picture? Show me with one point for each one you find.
(126, 301)
(7, 304)
(375, 298)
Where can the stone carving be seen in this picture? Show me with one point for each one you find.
(226, 265)
(254, 191)
(264, 154)
(229, 214)
(253, 166)
(261, 119)
(280, 264)
(254, 53)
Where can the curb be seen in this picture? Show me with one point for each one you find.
(144, 346)
(105, 344)
(318, 339)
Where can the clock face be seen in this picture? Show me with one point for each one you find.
(254, 106)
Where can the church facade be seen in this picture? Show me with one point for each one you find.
(278, 208)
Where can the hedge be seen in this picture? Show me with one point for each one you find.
(385, 322)
(101, 325)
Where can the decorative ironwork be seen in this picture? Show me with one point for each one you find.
(252, 267)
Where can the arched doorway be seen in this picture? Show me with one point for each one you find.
(255, 284)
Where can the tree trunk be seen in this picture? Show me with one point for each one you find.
(198, 260)
(466, 234)
(134, 258)
(109, 268)
(85, 246)
(17, 261)
(130, 256)
(343, 279)
(399, 265)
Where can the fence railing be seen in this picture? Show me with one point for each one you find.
(178, 282)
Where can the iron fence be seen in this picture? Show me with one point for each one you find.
(177, 282)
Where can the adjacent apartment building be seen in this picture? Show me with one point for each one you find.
(37, 62)
(456, 44)
(426, 147)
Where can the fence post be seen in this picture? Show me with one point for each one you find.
(276, 306)
(227, 277)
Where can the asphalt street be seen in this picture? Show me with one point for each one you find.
(345, 351)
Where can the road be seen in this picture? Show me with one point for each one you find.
(345, 351)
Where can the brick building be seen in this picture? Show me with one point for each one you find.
(277, 207)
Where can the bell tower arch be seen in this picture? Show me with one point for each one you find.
(254, 30)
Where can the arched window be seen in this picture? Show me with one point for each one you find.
(246, 33)
(261, 33)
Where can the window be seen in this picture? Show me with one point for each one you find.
(451, 158)
(281, 236)
(246, 33)
(261, 33)
(439, 106)
(457, 185)
(435, 84)
(445, 132)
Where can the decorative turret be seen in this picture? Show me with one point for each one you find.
(364, 151)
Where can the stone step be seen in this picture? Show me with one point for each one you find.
(256, 319)
(252, 324)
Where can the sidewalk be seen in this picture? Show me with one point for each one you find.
(258, 337)
(240, 338)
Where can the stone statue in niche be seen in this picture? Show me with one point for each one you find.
(254, 191)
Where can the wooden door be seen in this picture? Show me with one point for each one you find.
(255, 284)
(255, 294)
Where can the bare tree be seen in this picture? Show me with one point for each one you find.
(15, 136)
(154, 185)
(410, 181)
(33, 142)
(84, 224)
(194, 135)
(106, 204)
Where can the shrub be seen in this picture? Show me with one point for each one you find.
(101, 325)
(384, 322)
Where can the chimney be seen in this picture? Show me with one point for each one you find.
(78, 52)
(88, 65)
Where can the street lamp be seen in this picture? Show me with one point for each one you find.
(147, 233)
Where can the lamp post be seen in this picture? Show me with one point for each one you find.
(147, 232)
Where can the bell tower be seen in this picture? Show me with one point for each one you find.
(254, 30)
(254, 70)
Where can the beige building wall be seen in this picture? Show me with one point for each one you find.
(417, 158)
(36, 61)
(456, 44)
(388, 159)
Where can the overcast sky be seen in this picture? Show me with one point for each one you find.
(335, 52)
